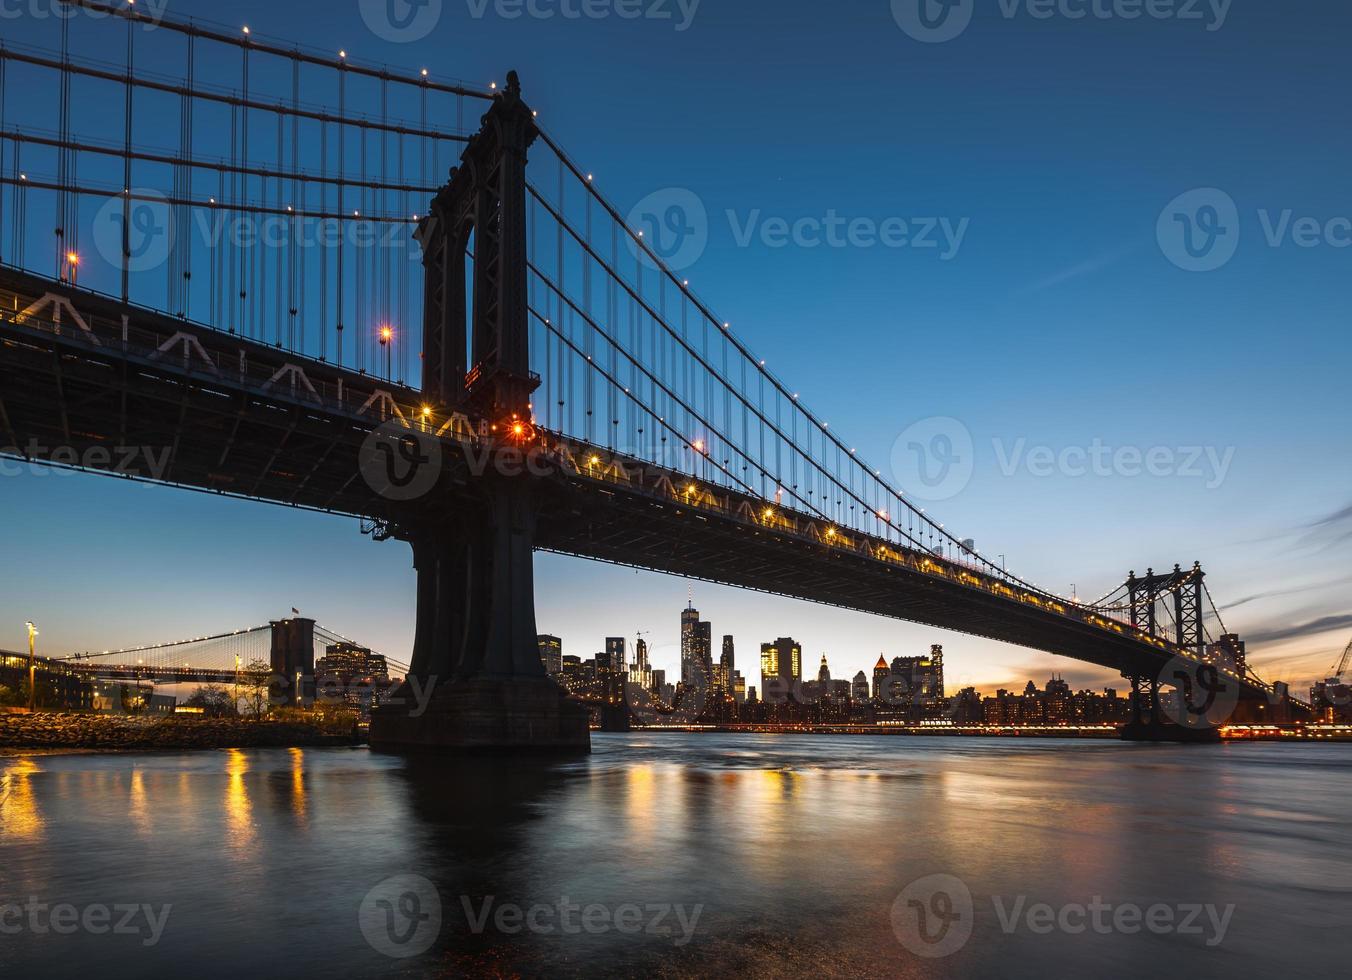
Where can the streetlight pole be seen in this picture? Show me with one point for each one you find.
(32, 667)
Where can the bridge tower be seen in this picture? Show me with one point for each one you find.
(1183, 591)
(293, 659)
(475, 643)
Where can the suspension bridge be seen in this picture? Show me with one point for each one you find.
(287, 647)
(394, 296)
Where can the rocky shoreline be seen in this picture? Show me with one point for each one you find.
(112, 733)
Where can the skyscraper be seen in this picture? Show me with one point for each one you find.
(551, 653)
(727, 666)
(640, 672)
(697, 665)
(704, 650)
(923, 677)
(880, 674)
(781, 661)
(689, 627)
(614, 660)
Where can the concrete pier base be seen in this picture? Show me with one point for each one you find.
(481, 716)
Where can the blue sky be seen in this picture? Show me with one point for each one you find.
(1060, 321)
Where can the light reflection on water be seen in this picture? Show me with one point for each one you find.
(795, 847)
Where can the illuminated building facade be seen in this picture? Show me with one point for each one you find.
(551, 654)
(781, 666)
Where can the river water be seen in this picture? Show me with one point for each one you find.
(684, 855)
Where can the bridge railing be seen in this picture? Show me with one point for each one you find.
(74, 315)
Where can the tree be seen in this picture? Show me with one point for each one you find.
(256, 680)
(9, 698)
(214, 700)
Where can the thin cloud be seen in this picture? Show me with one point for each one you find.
(1338, 524)
(1299, 630)
(1077, 271)
(1277, 593)
(1337, 517)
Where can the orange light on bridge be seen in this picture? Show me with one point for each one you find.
(698, 445)
(595, 461)
(386, 335)
(518, 429)
(73, 258)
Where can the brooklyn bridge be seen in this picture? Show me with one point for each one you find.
(543, 382)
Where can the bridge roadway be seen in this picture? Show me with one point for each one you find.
(240, 417)
(159, 675)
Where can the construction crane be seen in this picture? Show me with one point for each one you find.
(1340, 671)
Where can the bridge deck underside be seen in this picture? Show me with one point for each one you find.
(224, 434)
(630, 530)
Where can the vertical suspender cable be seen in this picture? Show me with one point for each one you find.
(294, 301)
(246, 255)
(323, 251)
(342, 199)
(185, 211)
(4, 90)
(277, 305)
(63, 154)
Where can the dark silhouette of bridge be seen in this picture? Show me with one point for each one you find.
(289, 649)
(573, 394)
